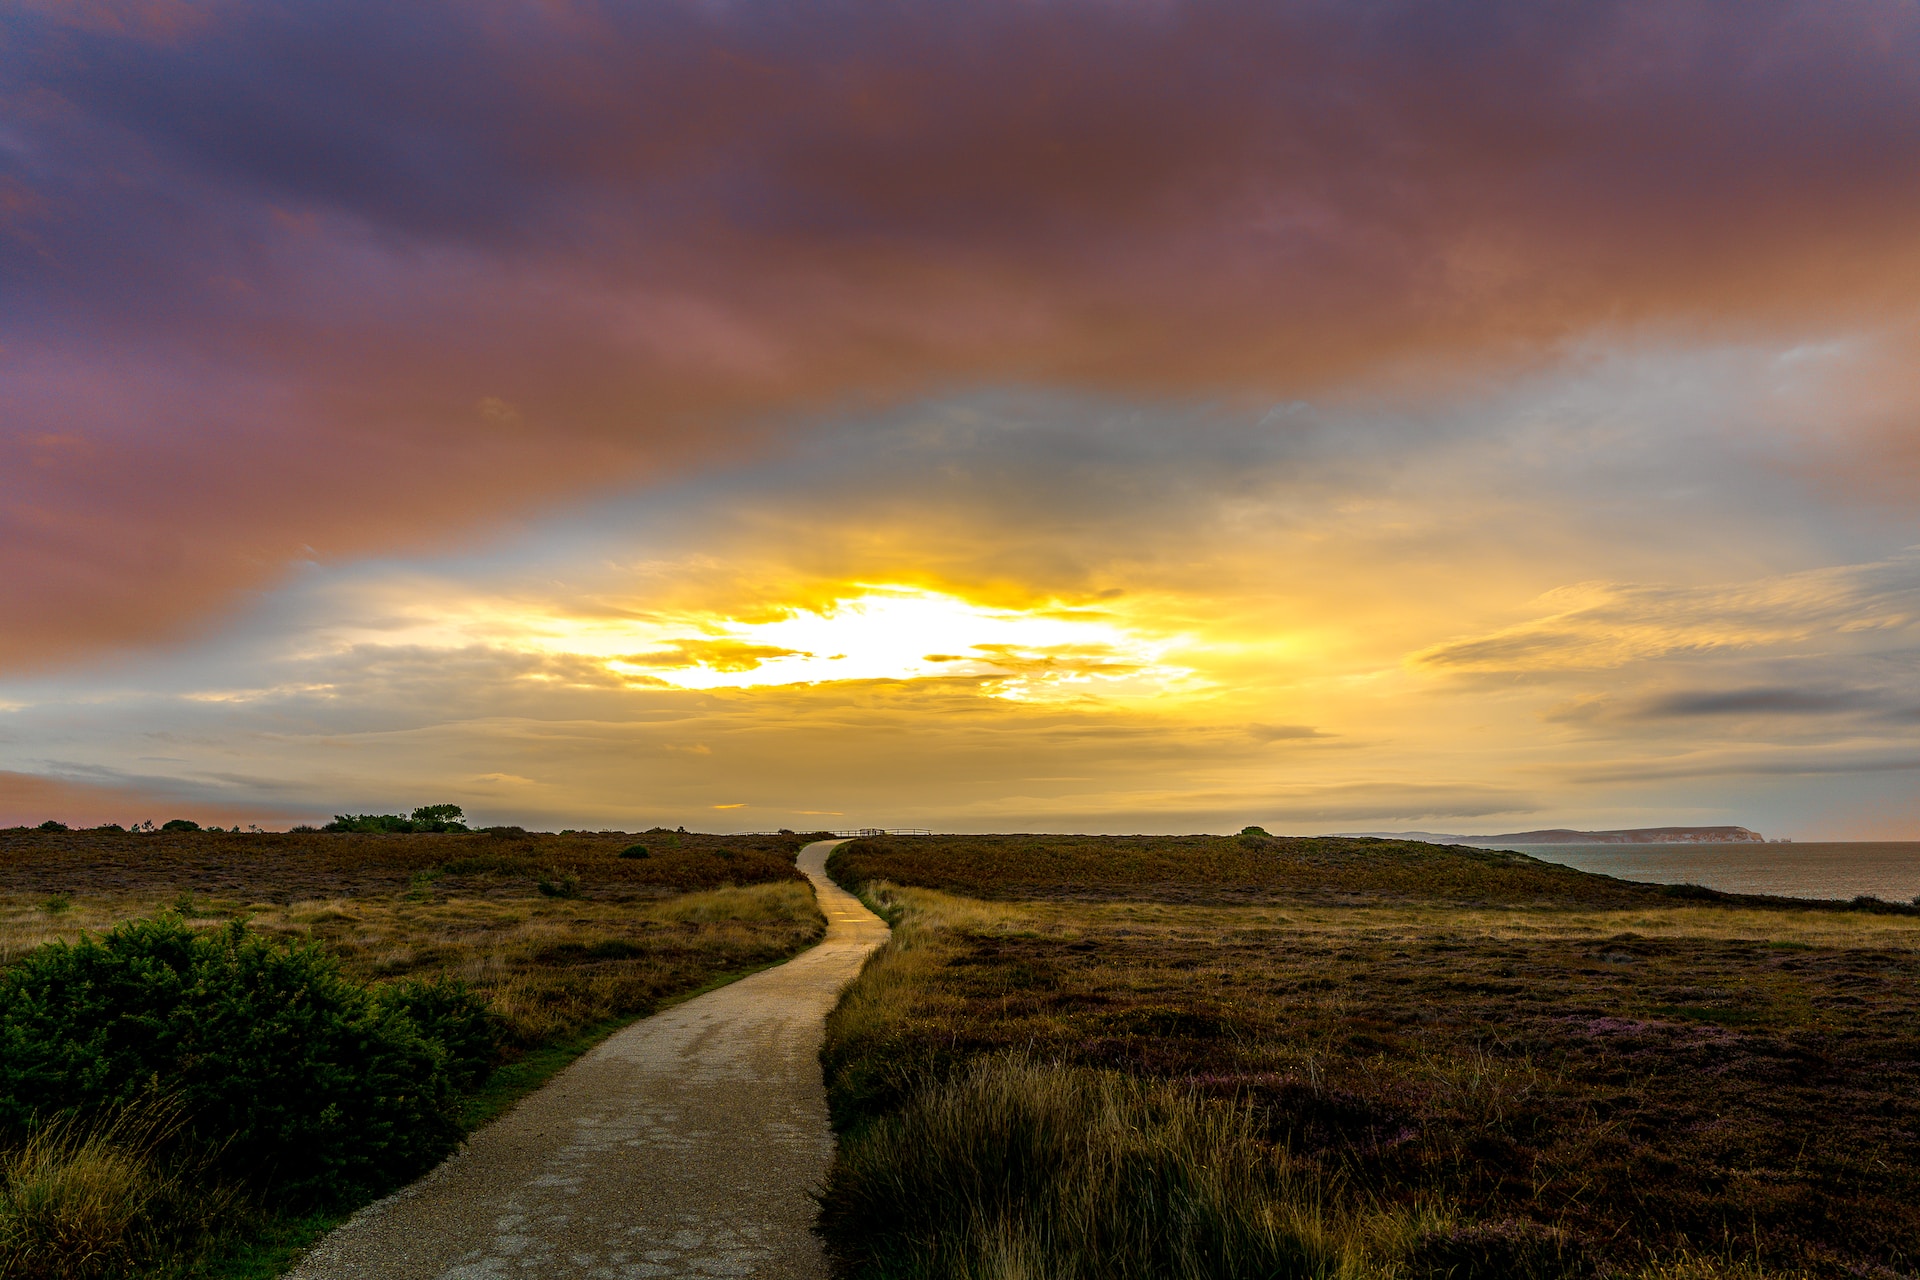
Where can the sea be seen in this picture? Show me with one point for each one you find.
(1816, 869)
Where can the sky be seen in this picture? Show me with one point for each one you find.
(1054, 415)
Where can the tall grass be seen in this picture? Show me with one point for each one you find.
(99, 1196)
(975, 1145)
(1016, 1169)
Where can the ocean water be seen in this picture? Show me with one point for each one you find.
(1839, 869)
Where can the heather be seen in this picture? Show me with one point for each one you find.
(1608, 1081)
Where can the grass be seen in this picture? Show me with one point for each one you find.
(607, 939)
(96, 1196)
(1479, 1083)
(1327, 871)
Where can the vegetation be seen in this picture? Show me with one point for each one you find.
(427, 818)
(208, 1038)
(101, 1196)
(299, 1080)
(1250, 867)
(1527, 1073)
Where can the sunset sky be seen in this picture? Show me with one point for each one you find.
(1088, 415)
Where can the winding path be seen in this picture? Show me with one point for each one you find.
(684, 1145)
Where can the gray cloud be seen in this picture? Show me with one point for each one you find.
(1763, 700)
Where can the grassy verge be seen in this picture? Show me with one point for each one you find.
(567, 941)
(1613, 1082)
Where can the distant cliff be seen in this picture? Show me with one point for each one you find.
(1563, 835)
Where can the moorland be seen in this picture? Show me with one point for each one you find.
(473, 963)
(1226, 1056)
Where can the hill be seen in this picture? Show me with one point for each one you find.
(1565, 835)
(1227, 870)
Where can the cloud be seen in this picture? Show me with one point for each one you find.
(1284, 732)
(1289, 558)
(1601, 626)
(301, 284)
(718, 655)
(1750, 763)
(1762, 700)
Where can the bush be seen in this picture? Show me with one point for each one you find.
(567, 886)
(52, 825)
(635, 851)
(180, 824)
(369, 822)
(302, 1082)
(453, 1015)
(428, 817)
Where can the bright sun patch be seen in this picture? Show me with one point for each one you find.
(902, 633)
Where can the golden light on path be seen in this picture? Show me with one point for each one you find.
(908, 633)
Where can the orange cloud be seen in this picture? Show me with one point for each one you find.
(314, 284)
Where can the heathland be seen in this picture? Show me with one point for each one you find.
(1232, 1056)
(473, 964)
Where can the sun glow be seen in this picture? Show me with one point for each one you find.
(906, 633)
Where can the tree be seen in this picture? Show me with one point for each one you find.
(439, 817)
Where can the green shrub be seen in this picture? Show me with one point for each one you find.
(567, 886)
(439, 817)
(452, 1014)
(635, 851)
(303, 1082)
(180, 824)
(52, 825)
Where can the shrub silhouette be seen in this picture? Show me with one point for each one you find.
(53, 824)
(428, 817)
(180, 824)
(439, 817)
(302, 1082)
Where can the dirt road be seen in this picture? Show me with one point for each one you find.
(684, 1145)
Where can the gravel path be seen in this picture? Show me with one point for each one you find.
(685, 1145)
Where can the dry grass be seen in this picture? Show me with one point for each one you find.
(283, 867)
(95, 1197)
(1688, 1090)
(1017, 1169)
(622, 935)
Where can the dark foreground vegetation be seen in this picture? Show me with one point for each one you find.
(211, 1040)
(1247, 1057)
